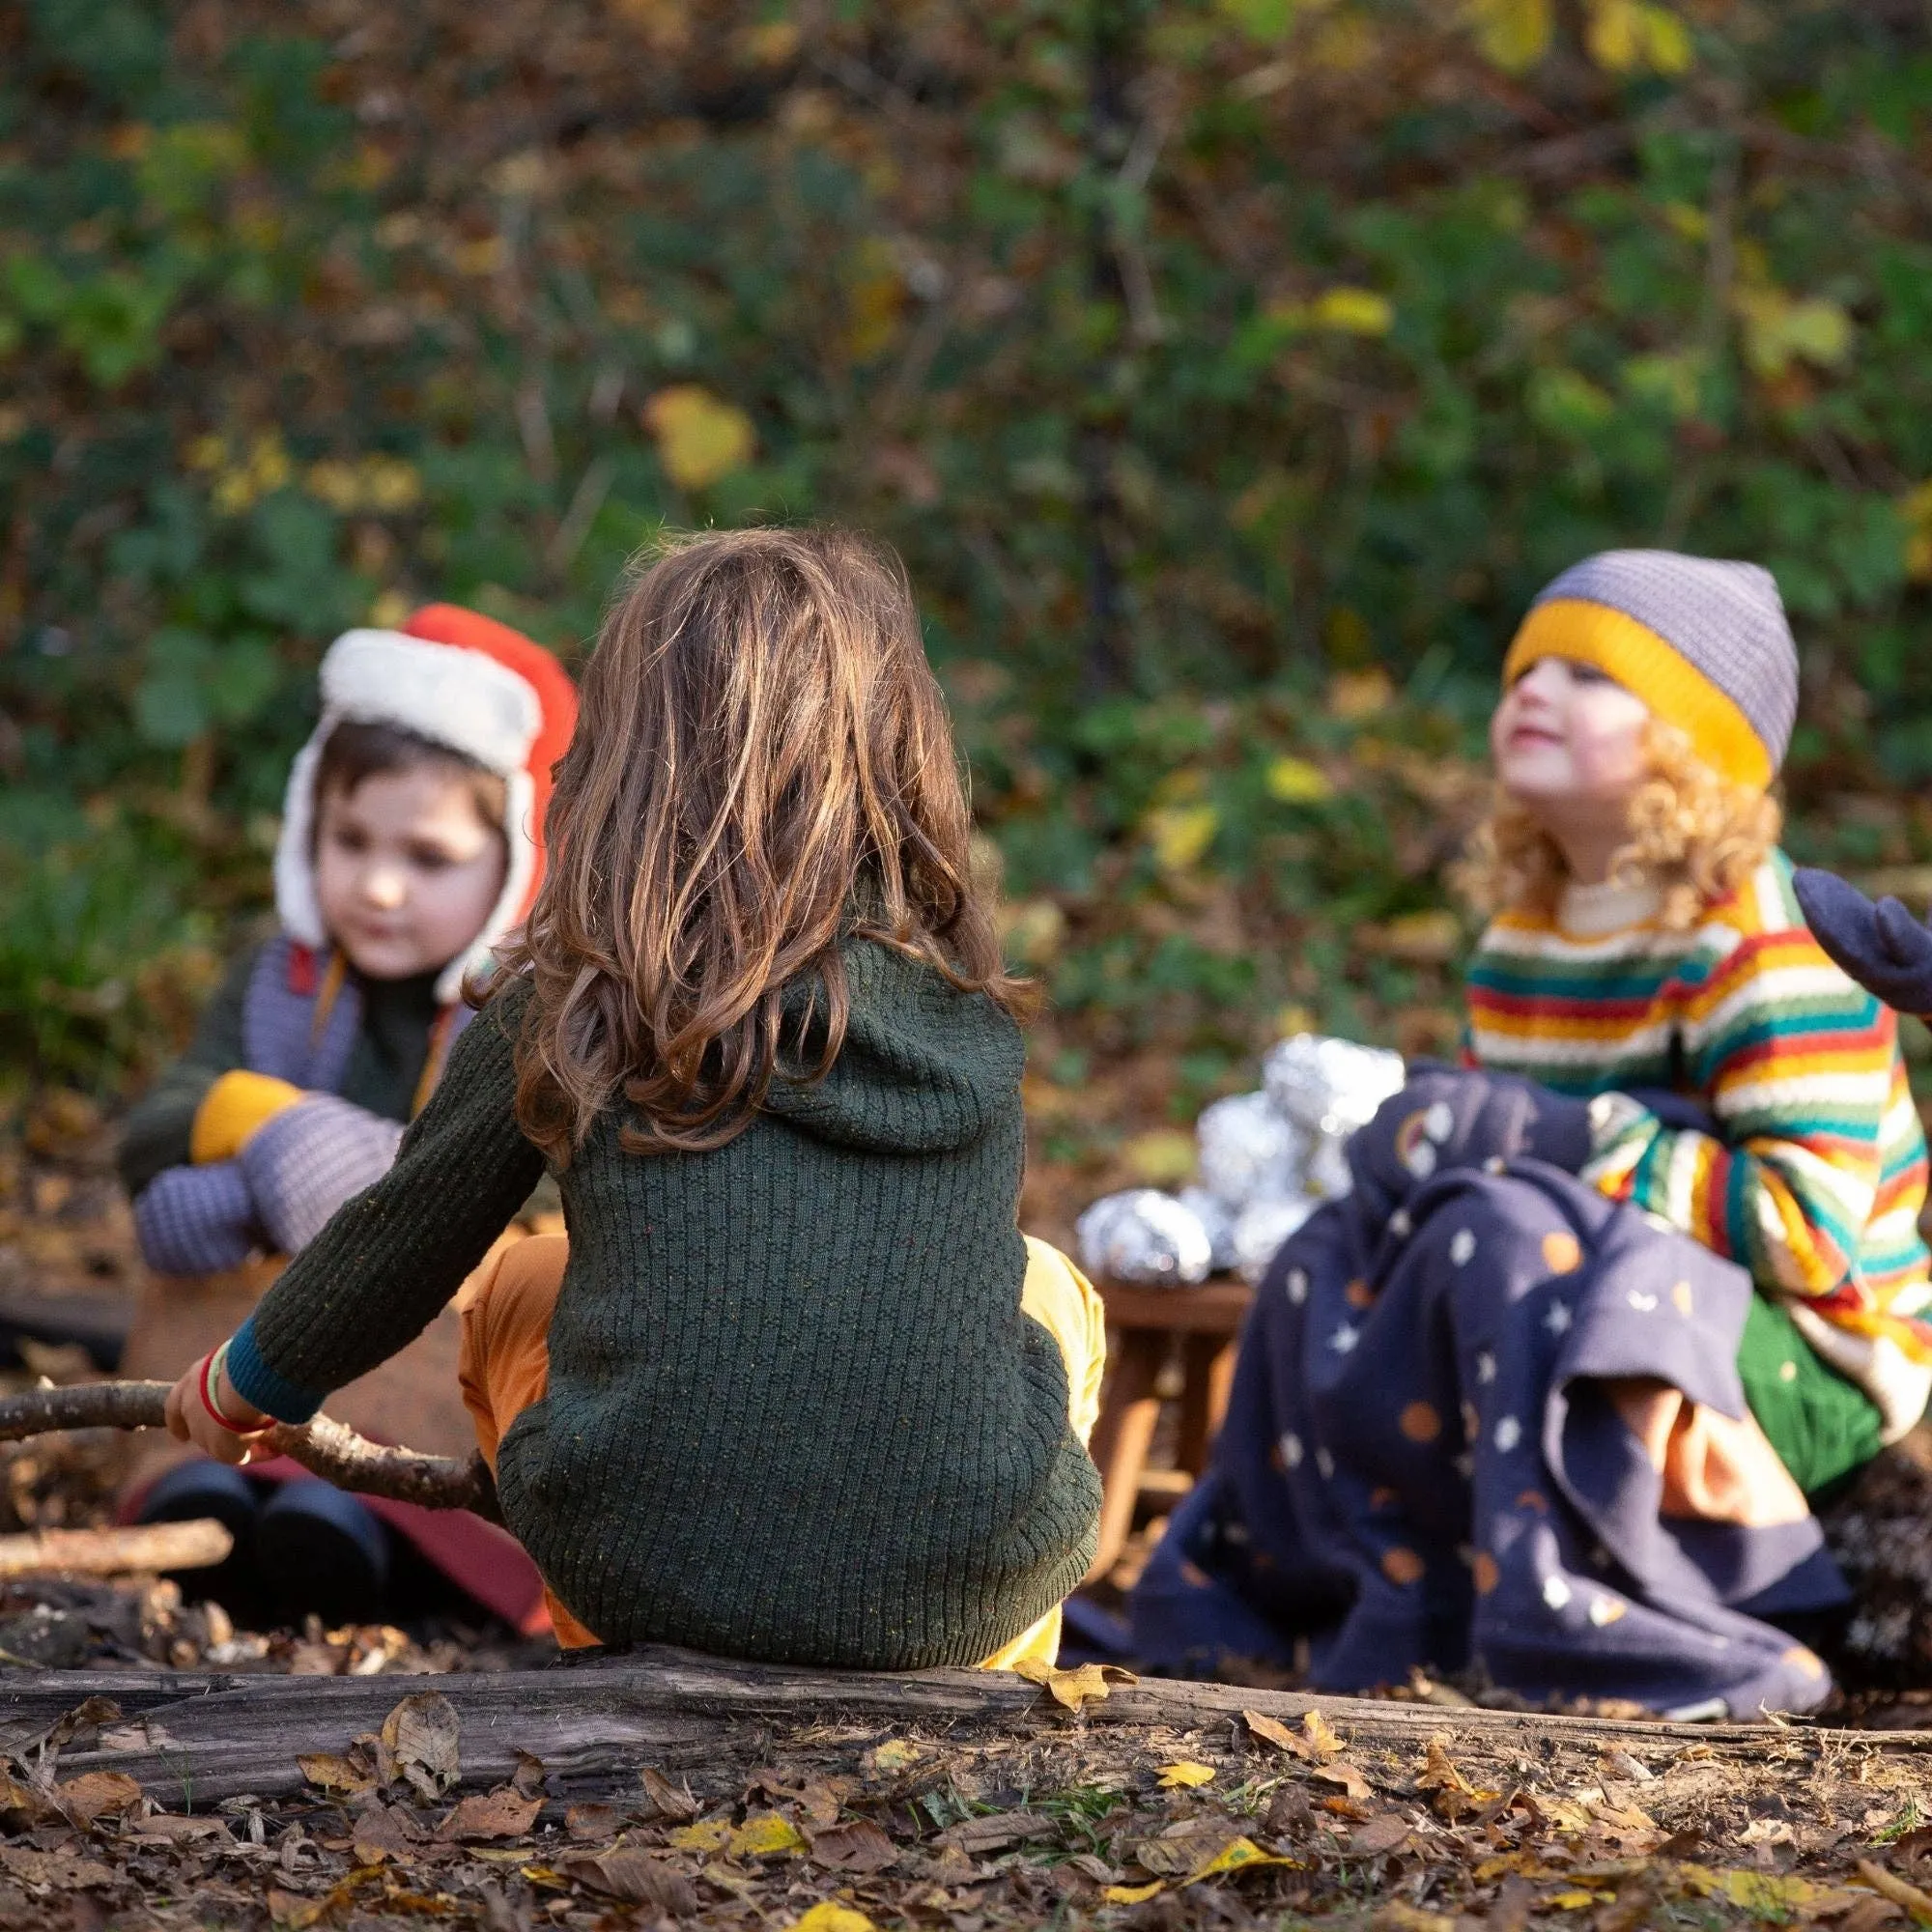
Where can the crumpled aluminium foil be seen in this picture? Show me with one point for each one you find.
(1143, 1238)
(1329, 1085)
(1249, 1152)
(1218, 1219)
(1261, 1228)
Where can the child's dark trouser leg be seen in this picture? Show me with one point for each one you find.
(504, 1363)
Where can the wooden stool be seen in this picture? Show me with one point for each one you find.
(1143, 1326)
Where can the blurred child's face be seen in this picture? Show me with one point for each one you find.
(1569, 744)
(407, 870)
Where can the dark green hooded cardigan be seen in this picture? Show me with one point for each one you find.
(794, 1410)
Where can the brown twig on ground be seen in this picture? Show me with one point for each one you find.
(119, 1551)
(326, 1448)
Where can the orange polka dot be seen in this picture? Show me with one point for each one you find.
(1420, 1423)
(1533, 1499)
(1562, 1252)
(1358, 1295)
(1682, 1299)
(1382, 1498)
(1194, 1576)
(1798, 1657)
(1487, 1575)
(1401, 1565)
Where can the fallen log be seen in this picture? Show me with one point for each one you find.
(594, 1726)
(323, 1446)
(196, 1543)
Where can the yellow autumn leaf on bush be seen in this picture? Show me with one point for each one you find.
(1180, 835)
(1625, 35)
(1356, 694)
(1161, 1158)
(1352, 312)
(1186, 1776)
(1032, 931)
(1914, 509)
(1297, 782)
(701, 438)
(1420, 938)
(1779, 329)
(1514, 34)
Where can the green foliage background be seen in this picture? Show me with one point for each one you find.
(1205, 358)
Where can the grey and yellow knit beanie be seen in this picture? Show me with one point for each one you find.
(1702, 642)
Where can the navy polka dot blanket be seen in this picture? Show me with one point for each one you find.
(1421, 1467)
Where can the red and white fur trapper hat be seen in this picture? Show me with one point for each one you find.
(458, 679)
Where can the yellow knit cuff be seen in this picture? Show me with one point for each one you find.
(1674, 689)
(232, 1109)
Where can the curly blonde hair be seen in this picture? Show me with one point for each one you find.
(1694, 834)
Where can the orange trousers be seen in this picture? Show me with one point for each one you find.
(505, 1366)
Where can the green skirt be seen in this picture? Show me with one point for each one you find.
(1822, 1425)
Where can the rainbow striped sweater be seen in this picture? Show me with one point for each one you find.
(1816, 1174)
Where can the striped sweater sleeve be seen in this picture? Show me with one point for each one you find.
(1800, 1067)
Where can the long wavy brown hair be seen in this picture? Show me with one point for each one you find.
(762, 769)
(1694, 834)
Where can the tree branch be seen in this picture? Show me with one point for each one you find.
(323, 1447)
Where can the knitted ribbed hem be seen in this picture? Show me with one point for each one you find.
(1652, 669)
(255, 1382)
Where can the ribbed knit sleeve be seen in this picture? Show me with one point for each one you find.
(393, 1255)
(1802, 1069)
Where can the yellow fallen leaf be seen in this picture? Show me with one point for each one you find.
(1091, 1682)
(1577, 1898)
(894, 1755)
(1236, 1854)
(1129, 1895)
(829, 1915)
(701, 438)
(1757, 1892)
(763, 1835)
(1186, 1776)
(1320, 1735)
(1298, 781)
(708, 1834)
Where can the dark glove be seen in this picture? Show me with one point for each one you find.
(1881, 946)
(1459, 1117)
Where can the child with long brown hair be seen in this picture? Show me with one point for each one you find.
(794, 1386)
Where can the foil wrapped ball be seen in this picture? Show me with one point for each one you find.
(1142, 1237)
(1218, 1219)
(1328, 1175)
(1261, 1227)
(1249, 1151)
(1329, 1085)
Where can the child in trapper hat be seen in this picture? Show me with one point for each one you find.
(409, 846)
(1648, 937)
